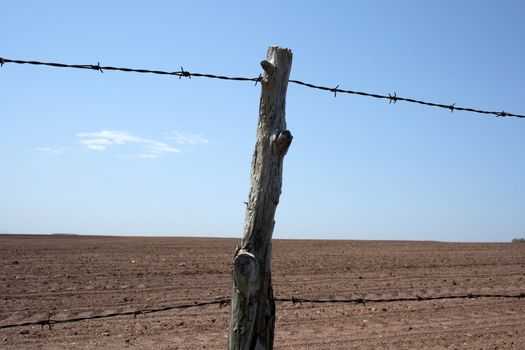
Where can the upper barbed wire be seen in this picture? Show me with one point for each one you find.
(187, 74)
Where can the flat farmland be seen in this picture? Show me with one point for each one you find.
(61, 277)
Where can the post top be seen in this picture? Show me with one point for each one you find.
(276, 48)
(279, 56)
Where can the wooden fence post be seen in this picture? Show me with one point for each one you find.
(252, 317)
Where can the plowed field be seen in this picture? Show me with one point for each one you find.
(61, 277)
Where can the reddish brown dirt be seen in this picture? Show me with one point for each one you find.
(74, 276)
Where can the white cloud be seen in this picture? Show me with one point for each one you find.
(187, 139)
(50, 151)
(138, 156)
(148, 155)
(96, 144)
(102, 140)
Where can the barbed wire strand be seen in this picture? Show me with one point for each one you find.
(392, 98)
(226, 301)
(364, 301)
(49, 322)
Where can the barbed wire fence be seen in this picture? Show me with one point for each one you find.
(222, 302)
(391, 97)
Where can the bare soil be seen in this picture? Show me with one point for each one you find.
(70, 276)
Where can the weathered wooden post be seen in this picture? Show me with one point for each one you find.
(252, 316)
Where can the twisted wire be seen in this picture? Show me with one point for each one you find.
(225, 301)
(392, 98)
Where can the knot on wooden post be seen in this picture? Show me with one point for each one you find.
(281, 141)
(245, 270)
(269, 68)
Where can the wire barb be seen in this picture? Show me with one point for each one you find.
(1, 62)
(97, 67)
(392, 98)
(452, 107)
(47, 322)
(258, 79)
(184, 73)
(223, 302)
(296, 301)
(334, 90)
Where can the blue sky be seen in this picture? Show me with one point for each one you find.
(131, 154)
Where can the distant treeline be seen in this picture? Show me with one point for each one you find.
(518, 240)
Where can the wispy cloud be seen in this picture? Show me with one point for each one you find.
(102, 140)
(95, 144)
(187, 139)
(50, 151)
